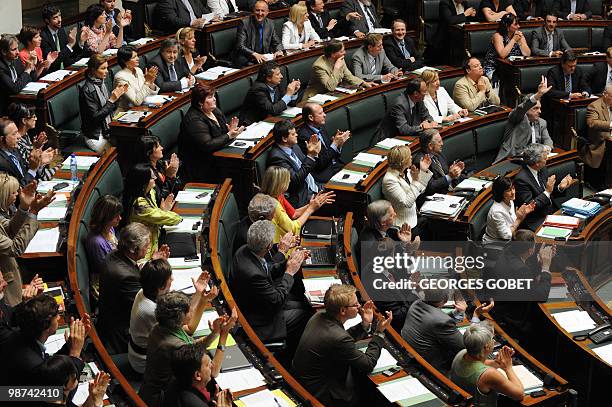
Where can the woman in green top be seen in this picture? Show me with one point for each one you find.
(140, 204)
(478, 375)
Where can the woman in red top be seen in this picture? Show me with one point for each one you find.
(30, 38)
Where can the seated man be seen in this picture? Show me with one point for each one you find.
(320, 19)
(370, 62)
(574, 9)
(113, 13)
(532, 183)
(329, 71)
(54, 38)
(11, 161)
(170, 15)
(567, 80)
(525, 126)
(327, 359)
(285, 153)
(256, 37)
(173, 73)
(329, 162)
(261, 207)
(400, 48)
(408, 116)
(547, 41)
(602, 74)
(261, 287)
(361, 17)
(489, 11)
(535, 10)
(380, 220)
(599, 124)
(474, 89)
(444, 177)
(267, 96)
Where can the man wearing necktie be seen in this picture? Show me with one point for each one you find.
(320, 19)
(11, 161)
(256, 37)
(330, 161)
(400, 48)
(174, 74)
(170, 15)
(575, 9)
(54, 38)
(14, 76)
(285, 153)
(361, 17)
(567, 80)
(602, 74)
(547, 41)
(525, 126)
(370, 62)
(114, 14)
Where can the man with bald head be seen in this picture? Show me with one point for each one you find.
(330, 161)
(256, 37)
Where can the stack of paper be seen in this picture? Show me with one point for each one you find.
(157, 100)
(81, 62)
(215, 72)
(607, 192)
(180, 263)
(84, 162)
(52, 214)
(185, 226)
(574, 321)
(44, 186)
(383, 31)
(605, 353)
(207, 316)
(244, 144)
(55, 342)
(110, 52)
(580, 207)
(558, 292)
(385, 361)
(475, 184)
(562, 221)
(265, 398)
(444, 205)
(553, 232)
(342, 38)
(32, 88)
(529, 380)
(322, 98)
(368, 160)
(132, 116)
(182, 279)
(141, 41)
(404, 388)
(57, 75)
(44, 241)
(316, 287)
(345, 176)
(197, 197)
(256, 131)
(346, 90)
(238, 380)
(423, 69)
(269, 57)
(389, 143)
(291, 112)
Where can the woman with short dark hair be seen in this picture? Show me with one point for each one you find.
(98, 31)
(31, 39)
(140, 85)
(506, 42)
(167, 181)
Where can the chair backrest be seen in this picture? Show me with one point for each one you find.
(222, 42)
(228, 225)
(580, 120)
(577, 37)
(301, 69)
(354, 249)
(479, 221)
(375, 192)
(82, 266)
(91, 200)
(530, 77)
(278, 25)
(449, 83)
(64, 109)
(150, 14)
(561, 170)
(390, 98)
(261, 163)
(338, 119)
(597, 7)
(167, 129)
(597, 39)
(460, 147)
(479, 41)
(488, 140)
(430, 17)
(364, 117)
(231, 96)
(111, 182)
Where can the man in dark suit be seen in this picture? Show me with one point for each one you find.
(532, 183)
(361, 17)
(11, 160)
(449, 13)
(54, 38)
(329, 162)
(38, 319)
(574, 10)
(261, 286)
(327, 360)
(547, 41)
(602, 74)
(173, 72)
(535, 8)
(567, 80)
(256, 37)
(268, 96)
(113, 14)
(408, 116)
(320, 19)
(444, 176)
(174, 14)
(285, 153)
(119, 284)
(400, 48)
(14, 76)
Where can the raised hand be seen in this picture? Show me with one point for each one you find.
(172, 166)
(167, 203)
(294, 264)
(229, 323)
(339, 64)
(97, 388)
(366, 312)
(224, 398)
(201, 283)
(119, 90)
(215, 326)
(482, 84)
(47, 155)
(27, 195)
(414, 172)
(40, 140)
(233, 129)
(550, 183)
(405, 233)
(199, 61)
(51, 57)
(425, 162)
(353, 16)
(543, 88)
(340, 138)
(293, 87)
(42, 201)
(481, 309)
(108, 27)
(525, 210)
(150, 74)
(162, 253)
(287, 242)
(332, 23)
(72, 37)
(76, 337)
(566, 182)
(313, 146)
(384, 323)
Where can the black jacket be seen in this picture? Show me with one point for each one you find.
(565, 7)
(66, 55)
(329, 162)
(599, 77)
(321, 30)
(556, 79)
(349, 6)
(393, 52)
(299, 194)
(400, 120)
(176, 396)
(247, 41)
(93, 113)
(6, 165)
(438, 183)
(540, 8)
(7, 86)
(258, 105)
(163, 77)
(200, 137)
(172, 14)
(447, 16)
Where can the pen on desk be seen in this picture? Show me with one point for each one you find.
(277, 403)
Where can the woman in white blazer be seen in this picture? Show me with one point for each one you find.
(140, 85)
(297, 31)
(402, 187)
(437, 100)
(221, 8)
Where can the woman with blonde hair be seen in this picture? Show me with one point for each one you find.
(9, 188)
(188, 51)
(403, 183)
(437, 100)
(286, 218)
(297, 31)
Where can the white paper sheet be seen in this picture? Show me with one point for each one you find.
(389, 143)
(133, 116)
(110, 52)
(193, 197)
(316, 288)
(83, 162)
(207, 316)
(291, 112)
(369, 158)
(403, 388)
(44, 241)
(81, 62)
(244, 144)
(383, 31)
(264, 398)
(32, 88)
(385, 359)
(57, 75)
(342, 38)
(52, 213)
(574, 320)
(82, 393)
(605, 353)
(55, 343)
(215, 72)
(322, 98)
(186, 225)
(443, 207)
(348, 177)
(242, 379)
(180, 263)
(256, 131)
(346, 90)
(181, 279)
(157, 99)
(529, 380)
(352, 322)
(473, 183)
(44, 186)
(558, 292)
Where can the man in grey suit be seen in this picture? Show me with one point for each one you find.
(256, 37)
(370, 62)
(547, 41)
(432, 332)
(408, 116)
(525, 125)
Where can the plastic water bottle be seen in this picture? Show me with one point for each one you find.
(73, 168)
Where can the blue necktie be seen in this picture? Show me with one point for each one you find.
(312, 185)
(568, 83)
(405, 52)
(16, 163)
(318, 131)
(261, 27)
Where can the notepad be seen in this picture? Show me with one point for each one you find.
(265, 398)
(476, 184)
(110, 52)
(81, 62)
(368, 160)
(185, 226)
(207, 316)
(348, 177)
(239, 380)
(385, 360)
(322, 98)
(157, 100)
(558, 292)
(44, 241)
(291, 112)
(574, 320)
(315, 288)
(562, 221)
(193, 197)
(527, 378)
(141, 41)
(553, 232)
(52, 213)
(44, 186)
(32, 88)
(182, 279)
(55, 342)
(57, 75)
(423, 69)
(348, 91)
(132, 116)
(180, 263)
(403, 388)
(389, 143)
(445, 205)
(605, 353)
(84, 162)
(243, 144)
(215, 72)
(256, 131)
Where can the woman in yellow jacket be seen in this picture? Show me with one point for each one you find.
(141, 206)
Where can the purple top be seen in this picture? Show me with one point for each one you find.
(97, 248)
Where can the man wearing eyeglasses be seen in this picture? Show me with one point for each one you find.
(327, 358)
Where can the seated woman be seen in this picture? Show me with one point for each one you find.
(204, 130)
(140, 85)
(437, 100)
(286, 218)
(97, 31)
(140, 204)
(495, 10)
(478, 375)
(25, 119)
(297, 31)
(503, 220)
(31, 39)
(156, 279)
(506, 42)
(174, 74)
(96, 105)
(101, 239)
(188, 50)
(167, 181)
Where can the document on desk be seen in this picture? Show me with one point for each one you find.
(553, 232)
(368, 160)
(44, 186)
(348, 91)
(574, 320)
(476, 184)
(423, 69)
(444, 205)
(352, 322)
(132, 116)
(180, 263)
(52, 213)
(243, 144)
(315, 288)
(604, 352)
(322, 98)
(404, 388)
(57, 75)
(32, 88)
(529, 380)
(55, 342)
(348, 177)
(256, 131)
(81, 63)
(84, 162)
(157, 100)
(207, 316)
(81, 394)
(385, 361)
(607, 192)
(389, 143)
(215, 72)
(44, 241)
(464, 119)
(265, 398)
(186, 225)
(141, 41)
(558, 292)
(238, 380)
(193, 197)
(291, 112)
(342, 38)
(182, 279)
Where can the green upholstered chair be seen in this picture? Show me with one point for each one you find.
(530, 77)
(111, 182)
(261, 165)
(479, 221)
(488, 140)
(82, 266)
(364, 117)
(597, 39)
(228, 225)
(375, 191)
(167, 129)
(91, 200)
(430, 19)
(338, 119)
(561, 170)
(64, 116)
(390, 98)
(222, 42)
(449, 84)
(231, 96)
(577, 37)
(460, 147)
(478, 42)
(301, 69)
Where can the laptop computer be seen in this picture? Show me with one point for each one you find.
(233, 359)
(326, 255)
